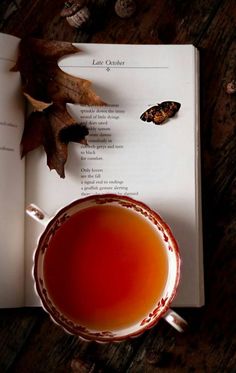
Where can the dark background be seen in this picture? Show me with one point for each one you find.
(29, 341)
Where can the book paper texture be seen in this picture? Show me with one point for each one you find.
(12, 179)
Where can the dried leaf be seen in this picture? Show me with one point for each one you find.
(53, 128)
(67, 88)
(48, 89)
(35, 57)
(37, 104)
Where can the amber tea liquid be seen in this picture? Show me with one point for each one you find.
(106, 267)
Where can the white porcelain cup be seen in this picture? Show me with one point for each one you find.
(161, 308)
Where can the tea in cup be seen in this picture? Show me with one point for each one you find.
(106, 268)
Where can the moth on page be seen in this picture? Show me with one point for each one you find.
(161, 112)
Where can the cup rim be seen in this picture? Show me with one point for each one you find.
(83, 332)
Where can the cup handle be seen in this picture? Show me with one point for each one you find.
(37, 214)
(175, 320)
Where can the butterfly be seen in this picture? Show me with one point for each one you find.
(161, 112)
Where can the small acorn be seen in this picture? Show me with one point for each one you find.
(125, 8)
(76, 13)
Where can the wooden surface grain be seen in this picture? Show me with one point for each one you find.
(29, 341)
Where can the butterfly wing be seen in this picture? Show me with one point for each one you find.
(170, 108)
(159, 113)
(149, 114)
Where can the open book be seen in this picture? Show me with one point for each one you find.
(157, 164)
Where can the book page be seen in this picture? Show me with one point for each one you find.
(12, 178)
(152, 163)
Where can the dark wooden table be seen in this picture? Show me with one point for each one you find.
(29, 341)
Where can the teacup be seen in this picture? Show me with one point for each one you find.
(106, 268)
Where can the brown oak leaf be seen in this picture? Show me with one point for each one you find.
(53, 128)
(47, 88)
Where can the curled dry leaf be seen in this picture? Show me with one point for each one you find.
(36, 104)
(48, 89)
(53, 128)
